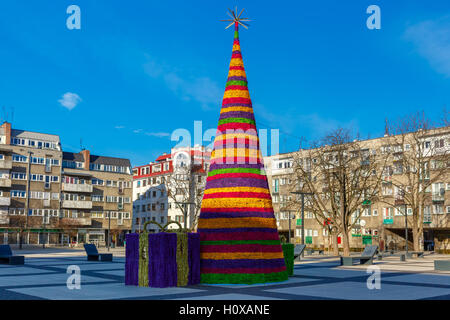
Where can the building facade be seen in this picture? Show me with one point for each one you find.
(170, 189)
(382, 220)
(47, 196)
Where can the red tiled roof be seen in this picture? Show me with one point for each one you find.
(163, 157)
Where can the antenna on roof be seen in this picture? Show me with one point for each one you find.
(81, 144)
(386, 127)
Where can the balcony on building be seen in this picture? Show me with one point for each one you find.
(76, 204)
(5, 182)
(5, 201)
(76, 221)
(4, 218)
(76, 173)
(72, 187)
(5, 164)
(438, 197)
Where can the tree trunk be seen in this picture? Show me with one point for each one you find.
(335, 245)
(416, 234)
(416, 238)
(345, 243)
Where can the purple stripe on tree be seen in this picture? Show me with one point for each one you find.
(237, 114)
(236, 182)
(220, 230)
(231, 147)
(236, 78)
(231, 215)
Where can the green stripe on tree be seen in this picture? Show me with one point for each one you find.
(238, 120)
(236, 170)
(243, 278)
(236, 83)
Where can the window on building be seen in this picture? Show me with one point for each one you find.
(18, 158)
(388, 213)
(18, 176)
(275, 184)
(18, 194)
(439, 143)
(438, 209)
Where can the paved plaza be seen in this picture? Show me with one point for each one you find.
(44, 276)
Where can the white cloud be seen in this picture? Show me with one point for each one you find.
(119, 127)
(158, 134)
(312, 123)
(200, 89)
(70, 100)
(432, 41)
(137, 130)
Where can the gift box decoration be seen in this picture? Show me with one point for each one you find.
(237, 226)
(288, 252)
(164, 259)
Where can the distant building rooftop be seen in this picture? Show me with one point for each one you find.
(34, 135)
(71, 156)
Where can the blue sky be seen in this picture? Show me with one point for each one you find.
(136, 72)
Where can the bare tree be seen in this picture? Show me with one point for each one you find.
(69, 227)
(419, 169)
(18, 222)
(185, 188)
(344, 176)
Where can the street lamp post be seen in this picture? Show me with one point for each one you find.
(43, 230)
(27, 202)
(109, 229)
(406, 228)
(303, 212)
(289, 237)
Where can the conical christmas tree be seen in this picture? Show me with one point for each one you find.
(237, 226)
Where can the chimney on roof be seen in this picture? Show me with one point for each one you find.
(87, 158)
(7, 127)
(386, 127)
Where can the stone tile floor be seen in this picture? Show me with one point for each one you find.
(314, 278)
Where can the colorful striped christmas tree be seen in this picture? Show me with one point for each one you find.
(238, 231)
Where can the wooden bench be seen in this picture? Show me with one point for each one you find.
(7, 256)
(366, 257)
(442, 265)
(93, 255)
(298, 250)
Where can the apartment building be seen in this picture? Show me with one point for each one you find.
(47, 194)
(96, 197)
(174, 180)
(382, 220)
